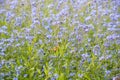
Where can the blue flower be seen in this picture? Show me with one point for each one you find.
(15, 78)
(96, 50)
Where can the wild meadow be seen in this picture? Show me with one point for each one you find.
(59, 39)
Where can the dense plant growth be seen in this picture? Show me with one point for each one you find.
(59, 39)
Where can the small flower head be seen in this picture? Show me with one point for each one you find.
(96, 50)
